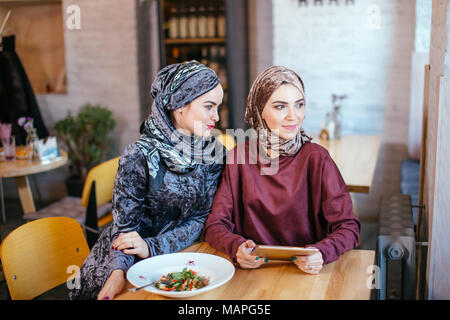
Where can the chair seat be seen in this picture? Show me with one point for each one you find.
(68, 207)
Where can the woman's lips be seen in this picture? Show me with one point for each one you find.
(293, 127)
(210, 127)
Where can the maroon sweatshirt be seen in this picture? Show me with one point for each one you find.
(306, 203)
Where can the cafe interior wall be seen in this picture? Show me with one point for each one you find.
(358, 48)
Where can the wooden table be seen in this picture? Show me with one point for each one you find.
(344, 279)
(21, 169)
(356, 157)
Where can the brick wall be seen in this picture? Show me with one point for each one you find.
(336, 50)
(102, 67)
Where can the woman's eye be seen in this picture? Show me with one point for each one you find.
(300, 105)
(209, 107)
(279, 107)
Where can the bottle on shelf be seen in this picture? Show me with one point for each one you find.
(183, 23)
(336, 117)
(325, 127)
(173, 23)
(337, 122)
(176, 57)
(331, 126)
(192, 22)
(211, 22)
(221, 23)
(202, 22)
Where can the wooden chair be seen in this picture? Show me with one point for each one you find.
(93, 209)
(41, 255)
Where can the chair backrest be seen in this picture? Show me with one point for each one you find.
(227, 141)
(104, 176)
(41, 255)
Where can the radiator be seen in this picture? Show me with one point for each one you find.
(396, 247)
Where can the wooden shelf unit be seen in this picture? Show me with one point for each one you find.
(196, 41)
(208, 48)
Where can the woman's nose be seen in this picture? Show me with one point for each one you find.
(215, 116)
(290, 113)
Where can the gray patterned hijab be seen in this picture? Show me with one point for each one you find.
(175, 86)
(263, 87)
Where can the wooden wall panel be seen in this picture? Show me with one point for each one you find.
(39, 31)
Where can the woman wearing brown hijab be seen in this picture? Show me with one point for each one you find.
(304, 203)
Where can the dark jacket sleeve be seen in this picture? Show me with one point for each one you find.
(342, 226)
(220, 228)
(187, 232)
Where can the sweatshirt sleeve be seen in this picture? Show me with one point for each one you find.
(342, 226)
(220, 230)
(186, 233)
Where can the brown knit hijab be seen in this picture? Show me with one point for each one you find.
(263, 87)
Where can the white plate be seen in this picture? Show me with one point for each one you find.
(217, 269)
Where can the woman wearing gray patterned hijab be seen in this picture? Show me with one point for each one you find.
(165, 183)
(177, 125)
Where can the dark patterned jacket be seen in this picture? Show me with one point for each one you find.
(167, 209)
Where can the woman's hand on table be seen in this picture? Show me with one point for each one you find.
(113, 286)
(244, 258)
(310, 264)
(131, 243)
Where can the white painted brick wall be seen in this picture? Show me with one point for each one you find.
(101, 62)
(334, 51)
(423, 25)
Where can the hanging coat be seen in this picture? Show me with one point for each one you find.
(17, 97)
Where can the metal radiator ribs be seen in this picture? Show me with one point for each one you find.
(396, 249)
